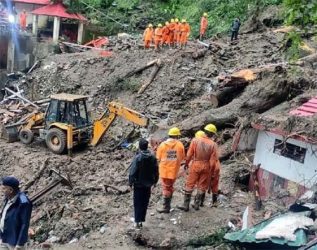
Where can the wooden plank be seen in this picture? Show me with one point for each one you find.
(4, 111)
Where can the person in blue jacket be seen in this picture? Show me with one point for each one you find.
(235, 28)
(15, 215)
(143, 175)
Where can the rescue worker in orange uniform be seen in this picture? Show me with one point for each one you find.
(203, 156)
(184, 33)
(171, 28)
(22, 18)
(170, 155)
(148, 36)
(177, 33)
(158, 36)
(203, 25)
(166, 34)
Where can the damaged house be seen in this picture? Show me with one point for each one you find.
(286, 151)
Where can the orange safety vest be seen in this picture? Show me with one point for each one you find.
(203, 25)
(203, 151)
(148, 34)
(158, 33)
(170, 155)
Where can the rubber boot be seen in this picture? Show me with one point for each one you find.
(166, 205)
(214, 200)
(197, 200)
(185, 206)
(202, 200)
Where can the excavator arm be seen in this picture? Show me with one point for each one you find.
(101, 126)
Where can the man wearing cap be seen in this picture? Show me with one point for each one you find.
(170, 155)
(15, 215)
(143, 175)
(203, 156)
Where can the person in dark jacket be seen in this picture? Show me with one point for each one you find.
(15, 215)
(143, 175)
(235, 29)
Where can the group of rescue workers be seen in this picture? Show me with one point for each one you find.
(201, 162)
(173, 34)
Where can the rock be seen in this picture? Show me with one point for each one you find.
(46, 245)
(53, 239)
(75, 240)
(169, 242)
(103, 229)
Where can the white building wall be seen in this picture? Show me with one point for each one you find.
(304, 174)
(29, 8)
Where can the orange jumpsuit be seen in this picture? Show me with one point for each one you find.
(148, 36)
(22, 18)
(203, 25)
(177, 33)
(170, 155)
(158, 36)
(171, 28)
(166, 35)
(185, 30)
(203, 153)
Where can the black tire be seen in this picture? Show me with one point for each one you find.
(56, 140)
(26, 136)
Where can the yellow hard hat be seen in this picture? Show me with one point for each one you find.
(172, 20)
(176, 20)
(167, 23)
(174, 132)
(199, 134)
(150, 25)
(211, 128)
(205, 14)
(183, 20)
(159, 25)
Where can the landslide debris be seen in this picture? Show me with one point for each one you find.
(100, 217)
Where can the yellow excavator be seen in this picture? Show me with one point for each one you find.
(66, 123)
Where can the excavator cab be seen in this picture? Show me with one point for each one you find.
(68, 109)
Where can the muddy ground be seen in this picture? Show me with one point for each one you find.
(92, 217)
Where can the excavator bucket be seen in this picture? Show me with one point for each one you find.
(10, 133)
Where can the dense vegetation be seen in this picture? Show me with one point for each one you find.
(131, 16)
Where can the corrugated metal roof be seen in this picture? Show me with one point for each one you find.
(307, 109)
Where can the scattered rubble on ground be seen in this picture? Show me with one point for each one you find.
(180, 88)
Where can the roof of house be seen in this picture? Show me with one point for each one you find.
(295, 119)
(58, 10)
(40, 2)
(307, 109)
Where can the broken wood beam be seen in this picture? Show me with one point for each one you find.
(81, 47)
(152, 76)
(120, 191)
(21, 97)
(140, 69)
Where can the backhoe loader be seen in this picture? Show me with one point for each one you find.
(66, 123)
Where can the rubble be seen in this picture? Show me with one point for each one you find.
(97, 211)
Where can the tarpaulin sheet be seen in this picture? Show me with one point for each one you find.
(248, 235)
